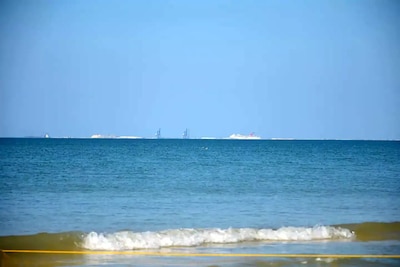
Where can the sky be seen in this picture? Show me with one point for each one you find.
(288, 69)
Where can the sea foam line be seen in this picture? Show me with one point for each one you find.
(128, 240)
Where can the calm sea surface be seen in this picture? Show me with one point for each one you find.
(199, 196)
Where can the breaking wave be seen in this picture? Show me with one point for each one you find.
(129, 240)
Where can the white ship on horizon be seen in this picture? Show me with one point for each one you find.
(100, 136)
(251, 136)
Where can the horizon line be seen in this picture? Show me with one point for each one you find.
(199, 138)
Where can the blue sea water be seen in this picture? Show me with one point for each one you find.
(207, 196)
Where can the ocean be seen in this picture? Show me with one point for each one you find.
(175, 202)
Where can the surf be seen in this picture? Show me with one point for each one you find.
(195, 237)
(127, 240)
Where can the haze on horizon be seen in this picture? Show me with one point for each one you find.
(289, 69)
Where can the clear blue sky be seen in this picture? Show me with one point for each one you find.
(302, 69)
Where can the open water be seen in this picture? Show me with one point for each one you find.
(199, 196)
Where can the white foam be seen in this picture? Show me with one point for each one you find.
(127, 240)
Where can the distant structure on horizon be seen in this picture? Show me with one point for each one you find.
(251, 136)
(185, 134)
(158, 134)
(100, 136)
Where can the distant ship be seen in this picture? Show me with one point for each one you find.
(251, 136)
(185, 134)
(158, 134)
(115, 137)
